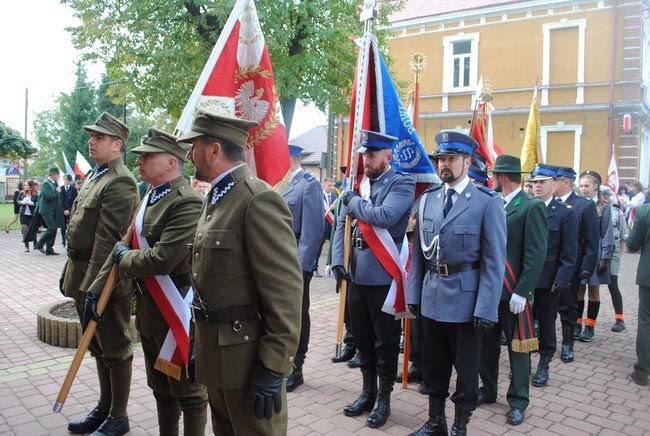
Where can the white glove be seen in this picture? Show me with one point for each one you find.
(328, 270)
(517, 304)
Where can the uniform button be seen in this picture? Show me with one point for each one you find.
(148, 233)
(442, 231)
(290, 359)
(442, 245)
(195, 275)
(200, 235)
(208, 217)
(196, 255)
(218, 243)
(246, 338)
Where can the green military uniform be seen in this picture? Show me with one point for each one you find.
(248, 285)
(100, 216)
(525, 254)
(50, 209)
(168, 225)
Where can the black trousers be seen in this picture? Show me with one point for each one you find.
(348, 337)
(376, 333)
(415, 352)
(546, 304)
(568, 309)
(451, 344)
(305, 326)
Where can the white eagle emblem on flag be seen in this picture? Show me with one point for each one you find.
(249, 104)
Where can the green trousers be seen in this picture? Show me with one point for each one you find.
(518, 392)
(642, 366)
(48, 237)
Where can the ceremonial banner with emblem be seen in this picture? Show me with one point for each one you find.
(612, 176)
(238, 80)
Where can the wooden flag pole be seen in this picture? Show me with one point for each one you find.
(368, 15)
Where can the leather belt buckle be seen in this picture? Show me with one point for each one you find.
(358, 242)
(442, 269)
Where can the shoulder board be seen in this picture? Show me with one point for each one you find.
(435, 188)
(403, 173)
(256, 185)
(308, 177)
(487, 190)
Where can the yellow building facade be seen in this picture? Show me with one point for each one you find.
(589, 58)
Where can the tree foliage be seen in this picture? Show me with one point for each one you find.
(156, 49)
(12, 144)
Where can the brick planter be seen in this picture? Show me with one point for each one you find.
(65, 331)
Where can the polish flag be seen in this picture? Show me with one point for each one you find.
(612, 176)
(238, 80)
(81, 166)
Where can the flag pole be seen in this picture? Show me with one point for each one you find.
(368, 15)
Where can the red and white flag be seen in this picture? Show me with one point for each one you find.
(81, 166)
(238, 80)
(612, 176)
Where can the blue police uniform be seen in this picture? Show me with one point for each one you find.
(376, 333)
(457, 268)
(304, 198)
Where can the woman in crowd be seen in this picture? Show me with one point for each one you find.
(619, 228)
(590, 182)
(637, 198)
(17, 193)
(27, 201)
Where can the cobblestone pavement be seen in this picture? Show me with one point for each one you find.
(591, 396)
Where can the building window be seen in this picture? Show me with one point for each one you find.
(460, 62)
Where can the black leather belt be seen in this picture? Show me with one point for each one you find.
(444, 269)
(233, 315)
(360, 243)
(79, 254)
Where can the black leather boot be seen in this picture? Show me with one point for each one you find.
(113, 427)
(367, 398)
(90, 423)
(437, 423)
(540, 379)
(295, 379)
(380, 413)
(460, 422)
(355, 362)
(567, 344)
(414, 374)
(347, 354)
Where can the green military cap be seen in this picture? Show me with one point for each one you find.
(158, 141)
(507, 164)
(53, 170)
(109, 125)
(221, 126)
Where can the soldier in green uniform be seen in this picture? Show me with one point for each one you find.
(167, 222)
(50, 209)
(100, 216)
(247, 283)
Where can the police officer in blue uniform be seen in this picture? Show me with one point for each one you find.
(457, 266)
(304, 196)
(588, 237)
(376, 333)
(559, 266)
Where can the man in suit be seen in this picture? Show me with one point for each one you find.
(68, 196)
(247, 284)
(639, 239)
(99, 218)
(329, 197)
(457, 264)
(588, 237)
(157, 261)
(526, 245)
(50, 210)
(385, 203)
(559, 266)
(304, 196)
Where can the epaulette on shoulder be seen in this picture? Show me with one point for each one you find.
(309, 177)
(256, 185)
(487, 190)
(435, 188)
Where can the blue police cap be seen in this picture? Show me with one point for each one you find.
(477, 174)
(373, 141)
(566, 173)
(454, 143)
(295, 150)
(543, 172)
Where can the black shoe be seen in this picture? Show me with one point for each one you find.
(347, 354)
(618, 326)
(366, 400)
(483, 398)
(567, 353)
(27, 249)
(577, 331)
(540, 379)
(113, 427)
(587, 334)
(90, 423)
(355, 362)
(42, 250)
(380, 413)
(437, 423)
(422, 389)
(639, 379)
(459, 428)
(504, 340)
(414, 375)
(51, 253)
(294, 380)
(515, 416)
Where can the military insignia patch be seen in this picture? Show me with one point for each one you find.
(445, 137)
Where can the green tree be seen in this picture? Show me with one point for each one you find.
(156, 49)
(12, 144)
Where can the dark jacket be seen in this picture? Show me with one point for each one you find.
(559, 266)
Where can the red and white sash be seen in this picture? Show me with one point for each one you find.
(395, 262)
(327, 210)
(174, 308)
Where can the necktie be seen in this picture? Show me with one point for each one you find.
(448, 202)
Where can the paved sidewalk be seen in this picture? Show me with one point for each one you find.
(591, 396)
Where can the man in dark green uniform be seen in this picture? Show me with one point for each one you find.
(50, 209)
(525, 254)
(165, 224)
(247, 284)
(99, 218)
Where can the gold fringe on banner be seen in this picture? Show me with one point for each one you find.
(525, 345)
(166, 367)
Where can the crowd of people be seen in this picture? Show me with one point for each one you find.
(220, 271)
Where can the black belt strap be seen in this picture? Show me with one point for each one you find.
(444, 269)
(360, 243)
(232, 315)
(79, 254)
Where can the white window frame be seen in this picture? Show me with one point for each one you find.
(577, 141)
(448, 62)
(581, 24)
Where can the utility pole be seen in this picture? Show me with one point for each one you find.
(26, 107)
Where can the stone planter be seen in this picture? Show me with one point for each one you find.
(58, 324)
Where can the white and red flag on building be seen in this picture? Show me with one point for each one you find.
(81, 166)
(238, 80)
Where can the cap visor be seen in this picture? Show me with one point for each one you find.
(186, 137)
(533, 179)
(147, 148)
(98, 129)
